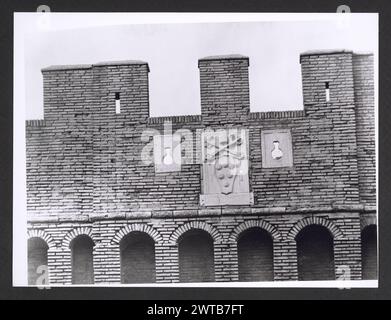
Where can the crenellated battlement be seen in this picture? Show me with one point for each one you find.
(96, 120)
(94, 90)
(35, 123)
(233, 189)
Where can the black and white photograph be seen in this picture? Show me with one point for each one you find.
(195, 150)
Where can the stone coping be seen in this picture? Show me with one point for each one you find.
(224, 57)
(325, 51)
(89, 66)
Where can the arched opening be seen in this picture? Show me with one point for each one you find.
(82, 260)
(369, 252)
(37, 260)
(137, 258)
(315, 253)
(196, 257)
(255, 255)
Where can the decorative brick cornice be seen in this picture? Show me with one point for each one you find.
(140, 227)
(278, 114)
(301, 224)
(195, 225)
(262, 224)
(35, 123)
(175, 119)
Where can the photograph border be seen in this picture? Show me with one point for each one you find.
(184, 293)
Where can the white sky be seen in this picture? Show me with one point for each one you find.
(172, 51)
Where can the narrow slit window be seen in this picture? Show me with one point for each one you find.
(327, 89)
(117, 103)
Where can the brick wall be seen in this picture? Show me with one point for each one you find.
(59, 149)
(365, 119)
(85, 174)
(225, 96)
(332, 126)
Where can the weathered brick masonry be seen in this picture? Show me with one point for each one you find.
(85, 177)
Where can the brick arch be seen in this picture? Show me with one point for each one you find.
(154, 234)
(301, 224)
(35, 233)
(262, 224)
(87, 231)
(195, 225)
(367, 221)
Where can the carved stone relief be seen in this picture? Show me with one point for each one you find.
(225, 167)
(276, 148)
